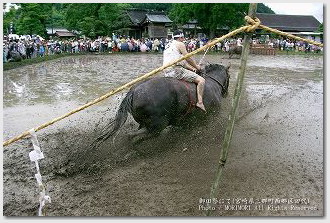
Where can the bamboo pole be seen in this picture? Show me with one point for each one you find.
(231, 118)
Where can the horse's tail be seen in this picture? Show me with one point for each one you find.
(120, 119)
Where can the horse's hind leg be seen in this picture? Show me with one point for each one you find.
(142, 135)
(139, 135)
(158, 124)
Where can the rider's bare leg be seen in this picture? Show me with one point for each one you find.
(200, 81)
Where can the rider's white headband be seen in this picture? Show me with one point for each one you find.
(180, 35)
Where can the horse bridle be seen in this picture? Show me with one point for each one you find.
(214, 80)
(217, 80)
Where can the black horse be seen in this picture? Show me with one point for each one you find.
(235, 50)
(160, 102)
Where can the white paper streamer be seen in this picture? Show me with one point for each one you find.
(36, 155)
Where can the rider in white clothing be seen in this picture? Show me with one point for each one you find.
(186, 69)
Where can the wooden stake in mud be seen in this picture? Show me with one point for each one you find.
(231, 118)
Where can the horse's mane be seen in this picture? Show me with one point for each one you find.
(211, 67)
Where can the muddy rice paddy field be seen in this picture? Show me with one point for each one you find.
(274, 166)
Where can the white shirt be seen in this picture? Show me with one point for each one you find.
(171, 53)
(239, 42)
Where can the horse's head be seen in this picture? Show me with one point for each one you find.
(219, 74)
(224, 91)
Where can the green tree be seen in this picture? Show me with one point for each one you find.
(320, 29)
(210, 16)
(181, 13)
(78, 16)
(57, 15)
(165, 7)
(114, 17)
(32, 18)
(8, 18)
(262, 8)
(96, 19)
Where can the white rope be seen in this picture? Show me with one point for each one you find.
(36, 155)
(203, 56)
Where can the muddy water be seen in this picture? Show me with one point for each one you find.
(50, 89)
(276, 151)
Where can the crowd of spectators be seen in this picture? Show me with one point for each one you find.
(284, 44)
(35, 46)
(25, 47)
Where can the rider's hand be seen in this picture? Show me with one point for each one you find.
(198, 70)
